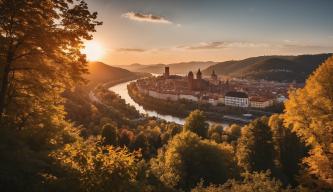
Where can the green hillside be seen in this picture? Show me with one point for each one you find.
(277, 68)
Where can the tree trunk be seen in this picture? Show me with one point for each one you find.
(4, 85)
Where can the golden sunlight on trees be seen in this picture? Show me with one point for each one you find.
(255, 148)
(256, 181)
(96, 167)
(187, 159)
(196, 122)
(40, 55)
(309, 112)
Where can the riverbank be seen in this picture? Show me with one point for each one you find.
(181, 108)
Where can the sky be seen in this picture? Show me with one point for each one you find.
(170, 31)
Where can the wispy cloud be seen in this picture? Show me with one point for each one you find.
(143, 17)
(131, 50)
(285, 45)
(309, 47)
(223, 45)
(287, 41)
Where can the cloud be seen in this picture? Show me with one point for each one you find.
(287, 41)
(142, 17)
(296, 46)
(223, 45)
(130, 50)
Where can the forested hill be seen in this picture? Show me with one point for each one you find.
(101, 73)
(277, 68)
(175, 68)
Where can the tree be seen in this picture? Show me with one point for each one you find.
(309, 112)
(255, 182)
(110, 134)
(196, 122)
(40, 57)
(40, 43)
(126, 137)
(255, 150)
(187, 159)
(95, 167)
(214, 133)
(141, 143)
(288, 148)
(234, 131)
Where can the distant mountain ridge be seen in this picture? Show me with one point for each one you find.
(175, 68)
(275, 68)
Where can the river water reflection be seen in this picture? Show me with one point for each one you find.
(121, 89)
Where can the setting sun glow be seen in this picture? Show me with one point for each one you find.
(94, 50)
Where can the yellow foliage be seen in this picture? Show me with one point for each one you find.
(309, 111)
(99, 167)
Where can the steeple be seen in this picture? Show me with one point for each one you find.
(214, 76)
(190, 78)
(199, 74)
(190, 75)
(166, 72)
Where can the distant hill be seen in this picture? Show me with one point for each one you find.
(175, 68)
(276, 68)
(101, 73)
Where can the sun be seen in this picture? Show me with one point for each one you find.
(93, 50)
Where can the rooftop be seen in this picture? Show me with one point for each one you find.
(236, 94)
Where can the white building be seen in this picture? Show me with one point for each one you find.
(236, 99)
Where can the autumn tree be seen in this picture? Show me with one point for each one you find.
(125, 137)
(40, 43)
(255, 151)
(216, 133)
(110, 134)
(187, 159)
(288, 150)
(95, 167)
(196, 122)
(309, 112)
(256, 182)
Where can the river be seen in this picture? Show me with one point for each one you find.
(121, 89)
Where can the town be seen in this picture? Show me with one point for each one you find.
(215, 90)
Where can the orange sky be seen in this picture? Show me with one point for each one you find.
(159, 31)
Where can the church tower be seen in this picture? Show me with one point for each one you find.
(214, 76)
(199, 75)
(199, 80)
(166, 72)
(190, 79)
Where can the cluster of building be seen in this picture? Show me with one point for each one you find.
(215, 90)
